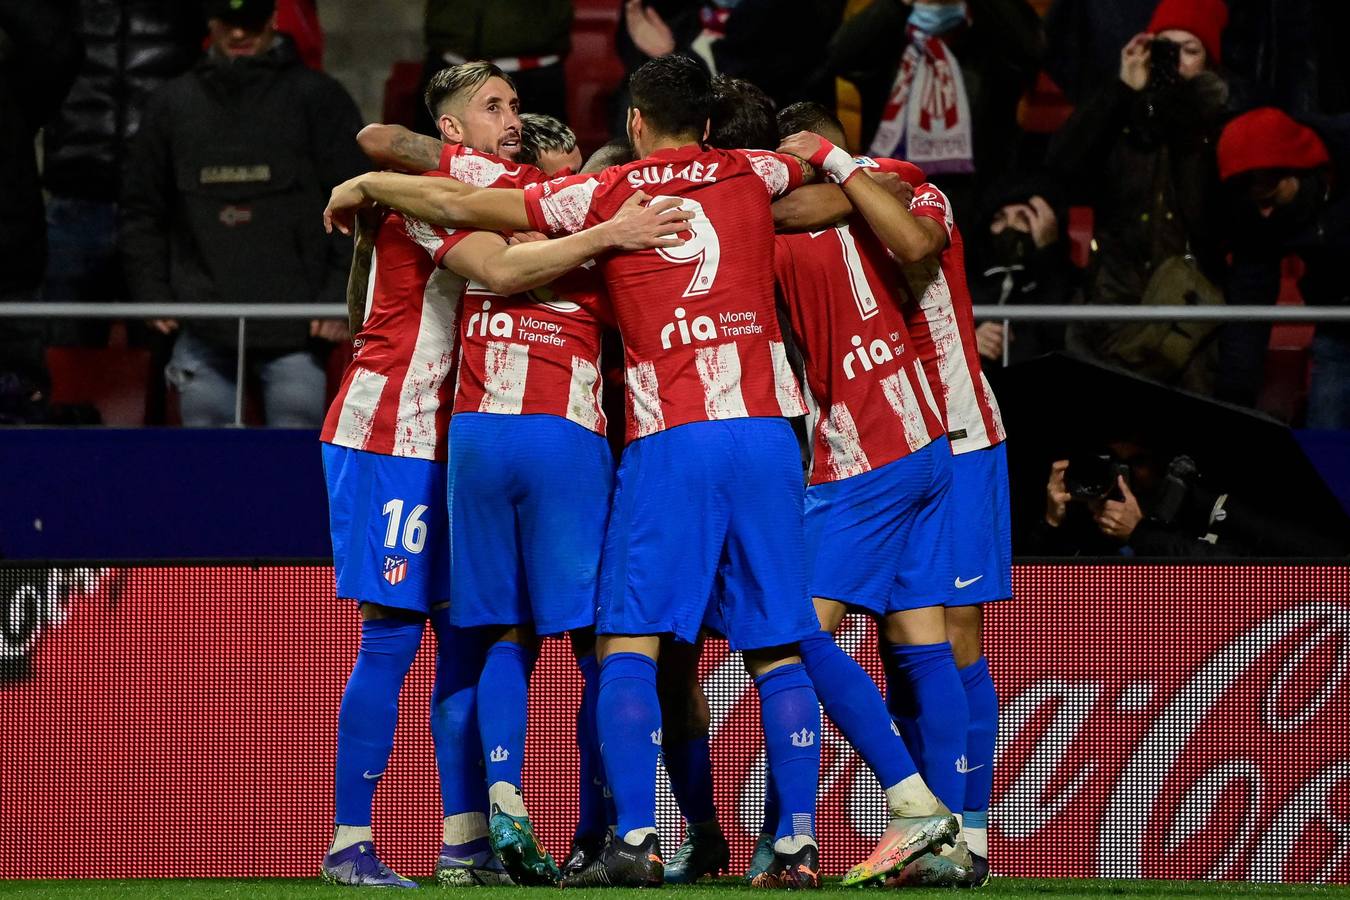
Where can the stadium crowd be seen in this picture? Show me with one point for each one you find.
(727, 266)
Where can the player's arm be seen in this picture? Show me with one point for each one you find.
(396, 147)
(816, 206)
(438, 201)
(507, 269)
(910, 238)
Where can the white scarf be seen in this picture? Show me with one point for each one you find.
(927, 118)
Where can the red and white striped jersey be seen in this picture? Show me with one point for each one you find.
(396, 393)
(942, 326)
(870, 400)
(534, 353)
(700, 332)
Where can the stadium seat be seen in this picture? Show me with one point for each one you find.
(1044, 109)
(400, 93)
(1080, 235)
(1289, 354)
(112, 379)
(594, 71)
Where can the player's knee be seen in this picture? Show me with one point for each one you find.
(914, 627)
(964, 631)
(765, 660)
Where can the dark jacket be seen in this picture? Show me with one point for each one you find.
(1146, 166)
(1320, 238)
(131, 47)
(999, 53)
(39, 56)
(225, 187)
(491, 29)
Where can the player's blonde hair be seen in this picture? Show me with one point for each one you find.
(456, 84)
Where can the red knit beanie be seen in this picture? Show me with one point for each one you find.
(1267, 138)
(1203, 18)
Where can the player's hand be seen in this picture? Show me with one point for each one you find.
(642, 226)
(648, 30)
(1057, 496)
(526, 237)
(895, 186)
(1134, 59)
(164, 326)
(334, 330)
(346, 200)
(834, 161)
(1118, 518)
(989, 338)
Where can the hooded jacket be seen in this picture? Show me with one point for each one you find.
(225, 187)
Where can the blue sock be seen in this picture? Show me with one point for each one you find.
(454, 716)
(791, 719)
(689, 765)
(593, 819)
(503, 694)
(928, 703)
(369, 714)
(852, 701)
(982, 701)
(628, 713)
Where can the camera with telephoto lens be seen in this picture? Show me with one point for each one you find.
(1164, 64)
(1093, 476)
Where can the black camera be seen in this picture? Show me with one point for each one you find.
(1093, 476)
(1164, 63)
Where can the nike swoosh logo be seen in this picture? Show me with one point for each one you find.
(369, 777)
(460, 861)
(965, 584)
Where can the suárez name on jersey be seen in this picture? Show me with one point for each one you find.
(695, 171)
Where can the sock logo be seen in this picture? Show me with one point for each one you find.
(803, 738)
(964, 767)
(656, 737)
(895, 729)
(369, 777)
(500, 754)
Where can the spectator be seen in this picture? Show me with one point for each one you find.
(131, 47)
(1141, 152)
(39, 56)
(957, 123)
(1288, 183)
(773, 44)
(1020, 254)
(223, 192)
(527, 39)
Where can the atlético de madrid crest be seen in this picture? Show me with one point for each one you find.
(395, 569)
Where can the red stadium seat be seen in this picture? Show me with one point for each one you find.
(400, 93)
(1044, 109)
(113, 380)
(594, 71)
(1080, 235)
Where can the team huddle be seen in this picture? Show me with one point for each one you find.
(471, 483)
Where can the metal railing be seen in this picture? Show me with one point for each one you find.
(242, 312)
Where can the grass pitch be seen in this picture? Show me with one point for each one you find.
(725, 889)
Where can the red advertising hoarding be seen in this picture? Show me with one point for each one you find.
(1157, 721)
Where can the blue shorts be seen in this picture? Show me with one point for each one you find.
(529, 498)
(981, 518)
(881, 541)
(391, 541)
(707, 523)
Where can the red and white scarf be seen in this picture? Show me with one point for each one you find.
(927, 118)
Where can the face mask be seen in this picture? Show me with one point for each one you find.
(1011, 247)
(937, 18)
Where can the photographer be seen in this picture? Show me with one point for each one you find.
(1125, 501)
(1141, 153)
